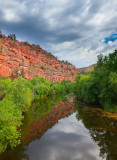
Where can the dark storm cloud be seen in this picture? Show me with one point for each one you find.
(62, 25)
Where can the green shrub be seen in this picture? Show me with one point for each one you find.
(20, 92)
(56, 67)
(10, 119)
(12, 37)
(72, 73)
(1, 34)
(26, 43)
(4, 84)
(42, 67)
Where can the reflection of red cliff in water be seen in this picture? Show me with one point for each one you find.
(38, 128)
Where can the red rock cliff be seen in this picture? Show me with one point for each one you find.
(21, 58)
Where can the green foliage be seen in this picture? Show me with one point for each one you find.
(57, 88)
(22, 72)
(41, 108)
(17, 73)
(26, 43)
(12, 37)
(113, 82)
(1, 34)
(10, 119)
(16, 97)
(66, 62)
(42, 67)
(99, 86)
(4, 83)
(43, 88)
(56, 67)
(37, 52)
(86, 88)
(37, 80)
(72, 73)
(20, 93)
(49, 56)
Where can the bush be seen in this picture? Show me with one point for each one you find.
(42, 67)
(12, 37)
(26, 43)
(56, 67)
(4, 84)
(1, 34)
(20, 92)
(10, 119)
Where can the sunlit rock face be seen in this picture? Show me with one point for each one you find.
(19, 58)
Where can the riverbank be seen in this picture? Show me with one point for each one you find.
(16, 98)
(100, 85)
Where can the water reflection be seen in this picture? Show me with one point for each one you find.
(56, 129)
(41, 125)
(102, 129)
(67, 140)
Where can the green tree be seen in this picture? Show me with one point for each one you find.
(99, 86)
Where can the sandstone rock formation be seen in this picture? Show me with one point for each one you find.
(21, 58)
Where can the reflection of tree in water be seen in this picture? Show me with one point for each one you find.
(42, 107)
(15, 154)
(102, 128)
(107, 141)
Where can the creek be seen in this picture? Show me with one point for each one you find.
(59, 128)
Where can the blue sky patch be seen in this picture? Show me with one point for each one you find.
(112, 38)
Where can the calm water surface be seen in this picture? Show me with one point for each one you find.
(61, 130)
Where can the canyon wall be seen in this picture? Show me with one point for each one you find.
(21, 58)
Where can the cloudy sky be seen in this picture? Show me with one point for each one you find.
(73, 30)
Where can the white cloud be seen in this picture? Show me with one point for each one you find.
(71, 30)
(10, 16)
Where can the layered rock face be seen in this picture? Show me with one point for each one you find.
(21, 58)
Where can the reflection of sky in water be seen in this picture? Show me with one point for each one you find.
(67, 140)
